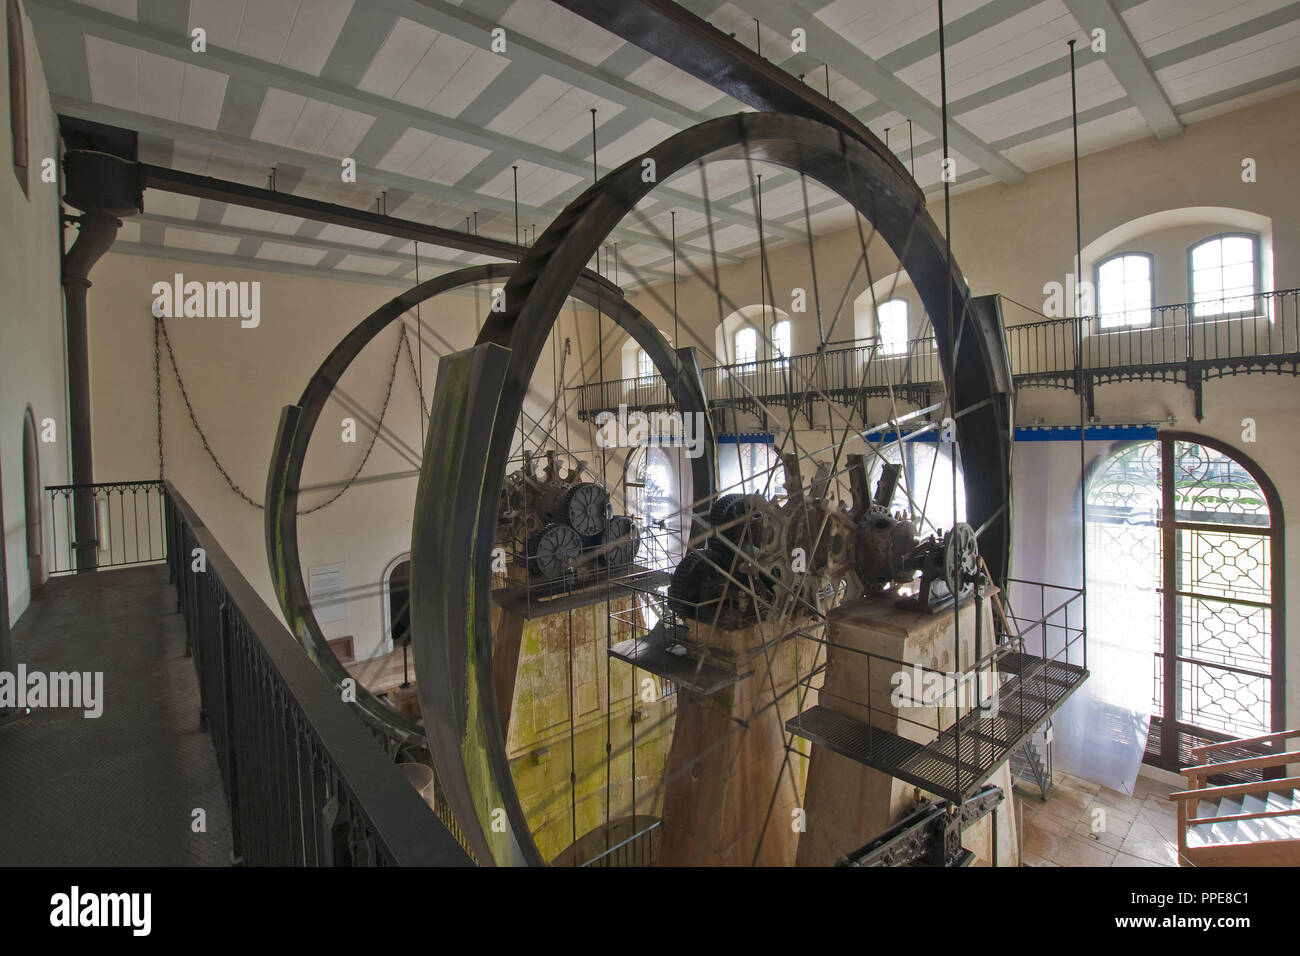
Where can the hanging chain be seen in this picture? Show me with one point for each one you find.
(424, 406)
(160, 331)
(388, 393)
(157, 394)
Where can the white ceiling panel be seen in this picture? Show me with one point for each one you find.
(635, 142)
(665, 80)
(538, 185)
(882, 27)
(332, 232)
(1009, 49)
(159, 203)
(422, 67)
(1231, 65)
(1161, 25)
(559, 29)
(298, 34)
(200, 241)
(245, 217)
(298, 255)
(142, 82)
(553, 114)
(1043, 103)
(1121, 127)
(355, 263)
(438, 159)
(313, 126)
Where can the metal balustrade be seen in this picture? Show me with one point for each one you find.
(307, 784)
(128, 523)
(1188, 342)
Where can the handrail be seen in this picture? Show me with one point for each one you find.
(1176, 341)
(1198, 752)
(1236, 789)
(1200, 771)
(306, 783)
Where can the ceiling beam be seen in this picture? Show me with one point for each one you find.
(273, 154)
(843, 57)
(66, 15)
(305, 242)
(1125, 59)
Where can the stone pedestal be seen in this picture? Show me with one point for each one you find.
(732, 789)
(848, 803)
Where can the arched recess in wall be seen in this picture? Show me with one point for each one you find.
(633, 360)
(1186, 542)
(396, 595)
(32, 501)
(885, 289)
(17, 90)
(1211, 219)
(761, 318)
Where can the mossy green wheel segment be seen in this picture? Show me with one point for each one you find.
(531, 304)
(298, 422)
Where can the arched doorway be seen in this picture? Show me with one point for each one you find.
(397, 602)
(1202, 524)
(32, 501)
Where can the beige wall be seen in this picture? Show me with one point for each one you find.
(1007, 239)
(31, 350)
(238, 379)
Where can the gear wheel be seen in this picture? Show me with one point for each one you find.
(553, 550)
(623, 538)
(586, 509)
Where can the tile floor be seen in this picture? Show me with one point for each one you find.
(1084, 824)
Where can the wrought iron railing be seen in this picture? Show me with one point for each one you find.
(1191, 340)
(306, 784)
(128, 524)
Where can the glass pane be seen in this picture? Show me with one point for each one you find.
(1210, 487)
(746, 347)
(1223, 632)
(1237, 249)
(1207, 255)
(1217, 699)
(1225, 564)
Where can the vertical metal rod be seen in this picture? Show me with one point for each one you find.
(911, 148)
(594, 174)
(1078, 340)
(514, 170)
(952, 342)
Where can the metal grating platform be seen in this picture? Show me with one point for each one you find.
(1035, 690)
(650, 653)
(538, 600)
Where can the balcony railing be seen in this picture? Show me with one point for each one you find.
(1189, 342)
(306, 783)
(128, 524)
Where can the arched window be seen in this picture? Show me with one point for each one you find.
(1192, 532)
(891, 326)
(17, 90)
(645, 368)
(1223, 270)
(1124, 284)
(746, 346)
(781, 342)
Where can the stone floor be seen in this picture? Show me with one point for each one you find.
(1084, 824)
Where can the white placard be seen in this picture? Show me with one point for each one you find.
(326, 585)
